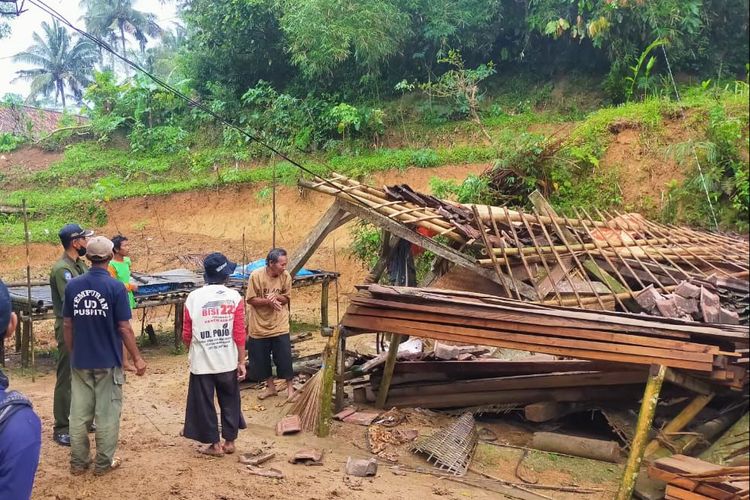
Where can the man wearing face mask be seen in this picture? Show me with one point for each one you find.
(73, 238)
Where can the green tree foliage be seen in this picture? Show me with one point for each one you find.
(112, 19)
(62, 63)
(235, 43)
(322, 34)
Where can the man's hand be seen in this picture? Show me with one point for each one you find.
(133, 287)
(241, 371)
(140, 366)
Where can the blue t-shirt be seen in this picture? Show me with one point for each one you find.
(96, 302)
(20, 442)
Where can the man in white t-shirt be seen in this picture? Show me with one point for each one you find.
(214, 329)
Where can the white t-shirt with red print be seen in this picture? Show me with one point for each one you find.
(214, 328)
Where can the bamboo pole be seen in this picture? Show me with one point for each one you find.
(637, 259)
(544, 263)
(680, 421)
(488, 245)
(433, 222)
(532, 279)
(645, 418)
(326, 394)
(560, 262)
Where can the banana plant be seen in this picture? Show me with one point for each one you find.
(649, 64)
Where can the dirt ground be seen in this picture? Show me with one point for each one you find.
(158, 463)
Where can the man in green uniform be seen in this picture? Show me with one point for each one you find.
(73, 238)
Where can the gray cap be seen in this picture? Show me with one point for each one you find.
(99, 248)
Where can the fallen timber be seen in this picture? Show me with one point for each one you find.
(492, 321)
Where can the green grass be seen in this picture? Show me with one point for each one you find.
(91, 174)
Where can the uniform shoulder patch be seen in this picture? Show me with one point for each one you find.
(67, 275)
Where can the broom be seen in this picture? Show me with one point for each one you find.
(307, 404)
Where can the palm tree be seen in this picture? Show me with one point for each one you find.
(61, 63)
(111, 19)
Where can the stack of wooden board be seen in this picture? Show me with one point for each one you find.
(492, 321)
(689, 478)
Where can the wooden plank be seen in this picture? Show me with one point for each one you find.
(331, 219)
(686, 381)
(435, 247)
(510, 333)
(689, 484)
(677, 493)
(618, 321)
(523, 397)
(370, 324)
(519, 317)
(488, 324)
(542, 381)
(489, 367)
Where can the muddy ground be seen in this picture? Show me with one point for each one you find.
(158, 463)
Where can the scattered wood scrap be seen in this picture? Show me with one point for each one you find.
(693, 479)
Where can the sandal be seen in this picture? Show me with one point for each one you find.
(116, 463)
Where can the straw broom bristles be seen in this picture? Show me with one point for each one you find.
(307, 405)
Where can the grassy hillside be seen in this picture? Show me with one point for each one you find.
(548, 138)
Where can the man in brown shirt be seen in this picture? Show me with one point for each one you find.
(268, 293)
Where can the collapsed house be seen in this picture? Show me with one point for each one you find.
(606, 305)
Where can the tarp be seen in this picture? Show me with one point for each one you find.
(244, 272)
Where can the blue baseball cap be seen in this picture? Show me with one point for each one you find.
(216, 267)
(69, 232)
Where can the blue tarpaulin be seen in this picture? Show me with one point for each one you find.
(244, 272)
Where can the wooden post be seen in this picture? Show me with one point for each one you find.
(390, 363)
(645, 418)
(324, 304)
(179, 316)
(17, 346)
(681, 420)
(326, 392)
(340, 372)
(28, 290)
(25, 341)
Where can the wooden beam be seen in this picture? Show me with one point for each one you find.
(645, 418)
(390, 363)
(439, 249)
(687, 382)
(333, 218)
(544, 208)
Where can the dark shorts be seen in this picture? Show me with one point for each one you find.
(260, 352)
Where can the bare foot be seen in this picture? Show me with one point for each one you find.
(267, 393)
(214, 450)
(228, 447)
